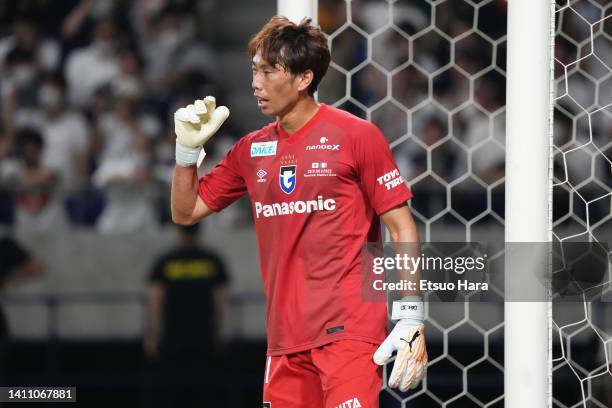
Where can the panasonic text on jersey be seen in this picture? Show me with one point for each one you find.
(294, 207)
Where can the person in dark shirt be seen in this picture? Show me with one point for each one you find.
(186, 304)
(16, 264)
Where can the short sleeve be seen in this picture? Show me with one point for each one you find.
(376, 169)
(223, 184)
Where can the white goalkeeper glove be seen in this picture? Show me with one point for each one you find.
(193, 126)
(408, 338)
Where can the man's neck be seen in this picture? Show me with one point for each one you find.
(299, 115)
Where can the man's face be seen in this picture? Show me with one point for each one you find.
(275, 88)
(31, 154)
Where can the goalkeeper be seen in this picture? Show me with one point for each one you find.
(319, 180)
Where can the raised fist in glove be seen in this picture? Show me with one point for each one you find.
(408, 339)
(194, 125)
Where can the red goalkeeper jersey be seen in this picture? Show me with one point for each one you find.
(316, 196)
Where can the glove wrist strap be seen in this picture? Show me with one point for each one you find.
(187, 156)
(409, 308)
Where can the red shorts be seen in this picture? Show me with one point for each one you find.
(341, 374)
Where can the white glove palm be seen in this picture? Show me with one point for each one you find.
(408, 339)
(194, 125)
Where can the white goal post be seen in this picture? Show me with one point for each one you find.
(527, 334)
(295, 10)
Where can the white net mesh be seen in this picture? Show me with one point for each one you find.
(582, 192)
(431, 75)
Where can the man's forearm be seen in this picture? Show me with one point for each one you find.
(406, 242)
(184, 194)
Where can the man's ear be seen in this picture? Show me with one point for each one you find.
(305, 79)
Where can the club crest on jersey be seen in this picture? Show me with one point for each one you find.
(287, 178)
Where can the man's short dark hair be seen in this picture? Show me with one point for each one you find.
(29, 136)
(295, 47)
(55, 77)
(18, 55)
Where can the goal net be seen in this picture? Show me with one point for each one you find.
(432, 75)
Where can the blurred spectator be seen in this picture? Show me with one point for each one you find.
(331, 14)
(488, 163)
(38, 206)
(16, 264)
(164, 157)
(130, 67)
(409, 87)
(84, 12)
(186, 307)
(91, 67)
(168, 34)
(124, 161)
(18, 89)
(26, 35)
(65, 133)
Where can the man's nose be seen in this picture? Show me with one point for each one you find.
(255, 83)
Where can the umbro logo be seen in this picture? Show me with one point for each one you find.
(261, 175)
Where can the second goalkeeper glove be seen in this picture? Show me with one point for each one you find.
(194, 125)
(408, 338)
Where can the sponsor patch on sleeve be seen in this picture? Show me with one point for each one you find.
(391, 179)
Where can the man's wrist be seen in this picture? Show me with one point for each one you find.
(187, 156)
(410, 308)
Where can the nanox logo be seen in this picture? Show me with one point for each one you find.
(294, 207)
(323, 146)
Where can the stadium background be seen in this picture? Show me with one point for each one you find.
(431, 74)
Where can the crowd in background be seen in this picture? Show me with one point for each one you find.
(87, 92)
(88, 89)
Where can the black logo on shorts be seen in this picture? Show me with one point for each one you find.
(267, 405)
